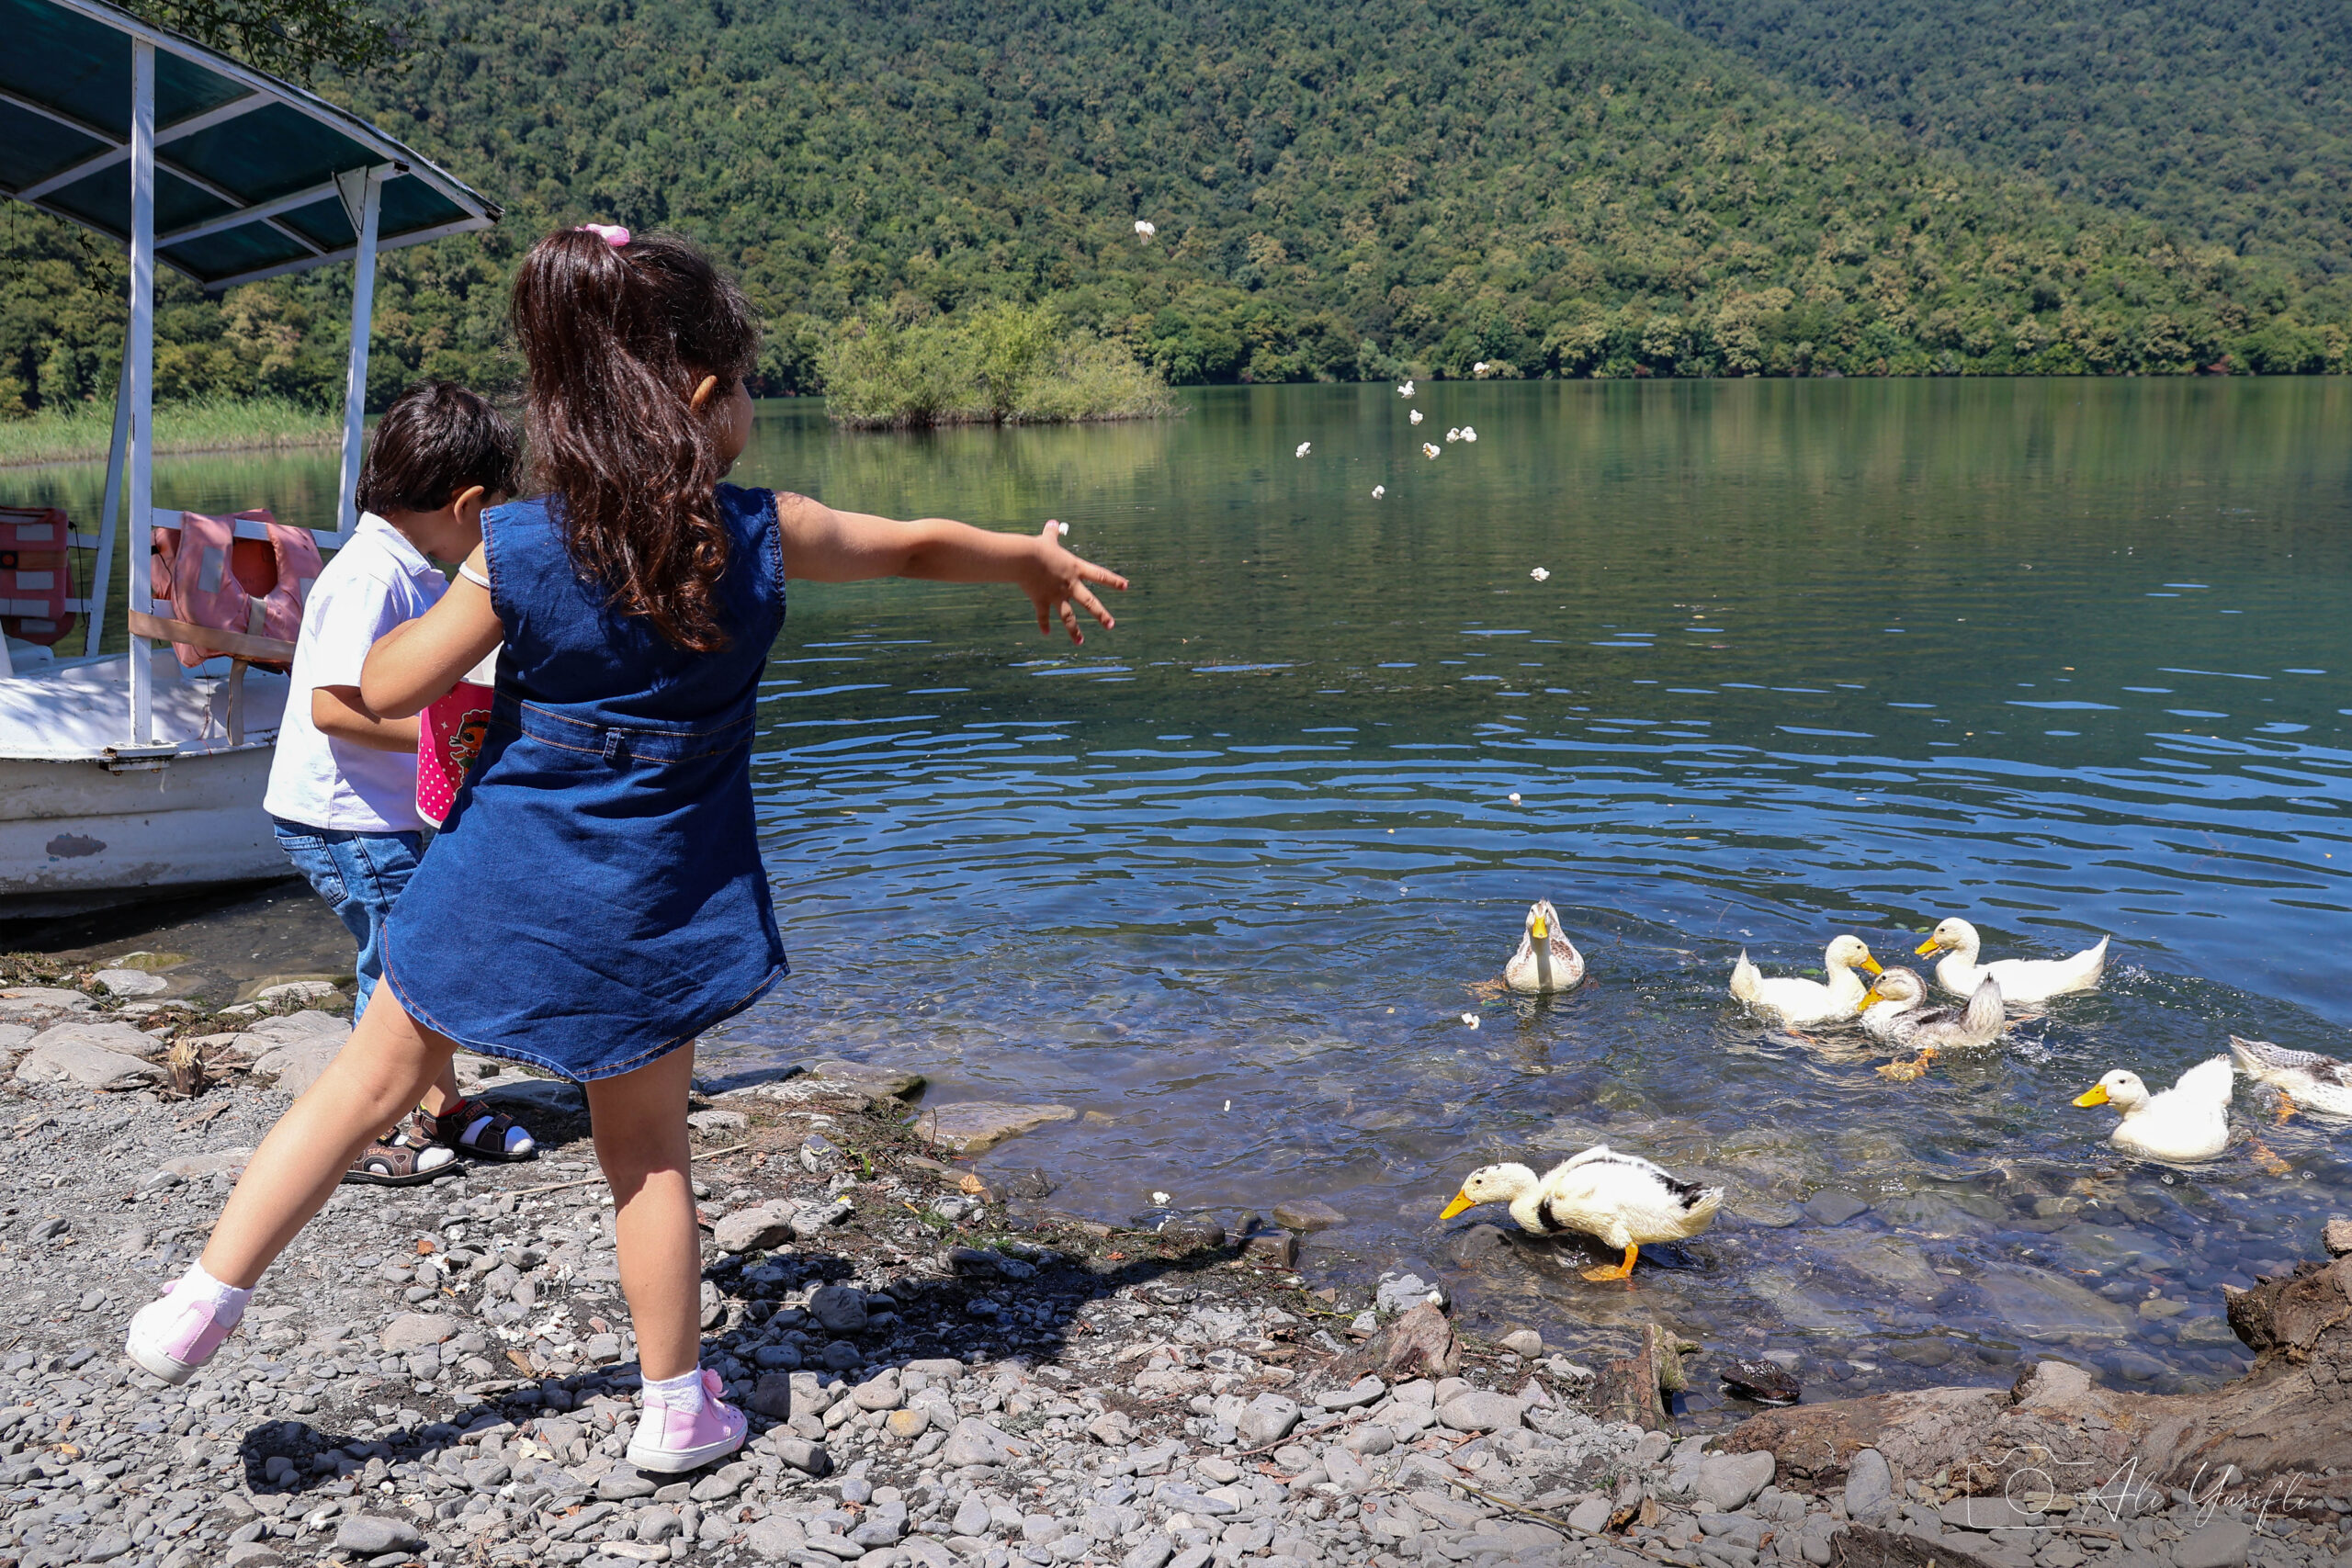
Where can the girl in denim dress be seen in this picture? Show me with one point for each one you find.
(595, 900)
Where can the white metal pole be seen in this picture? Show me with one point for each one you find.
(355, 384)
(139, 361)
(102, 573)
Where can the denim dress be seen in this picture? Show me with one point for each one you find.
(595, 898)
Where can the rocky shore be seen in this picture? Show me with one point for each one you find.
(940, 1373)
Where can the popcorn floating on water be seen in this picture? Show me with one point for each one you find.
(1454, 435)
(1471, 1018)
(1160, 1198)
(1541, 574)
(1145, 229)
(1429, 451)
(1468, 434)
(1416, 416)
(1304, 448)
(1379, 490)
(1406, 390)
(1514, 797)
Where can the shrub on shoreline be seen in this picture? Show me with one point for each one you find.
(1000, 364)
(82, 433)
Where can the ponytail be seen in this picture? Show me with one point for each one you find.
(617, 332)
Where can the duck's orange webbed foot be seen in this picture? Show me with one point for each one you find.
(1620, 1272)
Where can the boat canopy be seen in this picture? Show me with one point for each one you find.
(253, 176)
(225, 173)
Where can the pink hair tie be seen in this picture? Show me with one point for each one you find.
(611, 234)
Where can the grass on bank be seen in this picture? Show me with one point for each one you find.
(997, 364)
(81, 434)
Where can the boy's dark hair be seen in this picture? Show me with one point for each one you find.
(437, 440)
(618, 338)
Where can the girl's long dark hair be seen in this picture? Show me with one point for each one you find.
(617, 337)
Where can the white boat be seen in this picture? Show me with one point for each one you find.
(125, 776)
(86, 819)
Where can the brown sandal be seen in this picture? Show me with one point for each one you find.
(397, 1164)
(470, 1128)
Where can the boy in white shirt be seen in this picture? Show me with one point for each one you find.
(342, 784)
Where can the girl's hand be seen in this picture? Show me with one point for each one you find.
(1056, 581)
(420, 660)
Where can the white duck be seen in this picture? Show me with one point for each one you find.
(1792, 1000)
(2189, 1121)
(1625, 1200)
(2304, 1078)
(2022, 979)
(1892, 1010)
(1546, 959)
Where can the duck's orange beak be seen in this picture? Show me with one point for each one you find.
(1872, 1000)
(1872, 964)
(2095, 1095)
(1462, 1200)
(1927, 947)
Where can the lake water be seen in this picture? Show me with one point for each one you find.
(2066, 657)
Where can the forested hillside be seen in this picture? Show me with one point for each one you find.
(1341, 189)
(2233, 120)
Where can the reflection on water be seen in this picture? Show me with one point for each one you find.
(2062, 656)
(2066, 657)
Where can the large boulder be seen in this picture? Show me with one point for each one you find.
(2291, 1414)
(293, 1051)
(754, 1229)
(883, 1083)
(99, 1056)
(977, 1442)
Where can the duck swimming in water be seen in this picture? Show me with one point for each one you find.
(2022, 979)
(1894, 1011)
(2191, 1121)
(2304, 1079)
(1624, 1199)
(1546, 959)
(1787, 999)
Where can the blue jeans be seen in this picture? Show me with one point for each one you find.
(360, 875)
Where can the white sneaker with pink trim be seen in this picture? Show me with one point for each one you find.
(671, 1441)
(174, 1336)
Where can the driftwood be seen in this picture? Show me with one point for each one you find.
(2291, 1413)
(1420, 1343)
(1858, 1546)
(1632, 1388)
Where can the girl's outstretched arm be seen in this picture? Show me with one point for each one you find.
(821, 544)
(424, 658)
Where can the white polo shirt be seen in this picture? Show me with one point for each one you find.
(374, 583)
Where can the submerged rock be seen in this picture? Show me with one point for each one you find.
(978, 1125)
(1761, 1380)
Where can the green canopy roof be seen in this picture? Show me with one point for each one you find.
(247, 165)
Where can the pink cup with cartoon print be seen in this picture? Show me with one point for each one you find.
(454, 729)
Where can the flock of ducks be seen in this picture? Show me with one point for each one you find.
(1629, 1203)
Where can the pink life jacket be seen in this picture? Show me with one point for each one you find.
(214, 578)
(36, 574)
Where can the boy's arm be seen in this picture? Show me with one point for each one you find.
(339, 714)
(419, 660)
(821, 544)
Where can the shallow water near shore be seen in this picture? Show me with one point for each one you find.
(2066, 657)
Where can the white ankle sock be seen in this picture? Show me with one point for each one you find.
(228, 1302)
(683, 1394)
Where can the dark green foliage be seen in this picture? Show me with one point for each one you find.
(2228, 119)
(288, 38)
(1343, 189)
